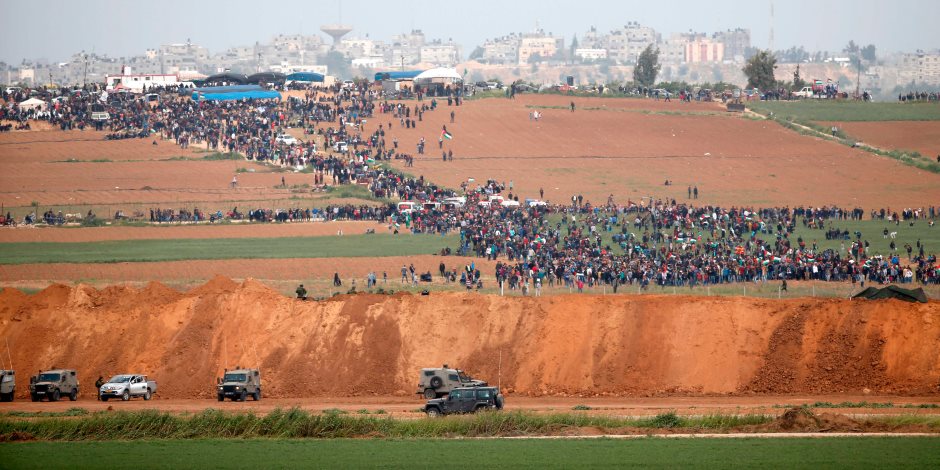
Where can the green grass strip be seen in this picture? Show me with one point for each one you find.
(847, 111)
(129, 251)
(789, 453)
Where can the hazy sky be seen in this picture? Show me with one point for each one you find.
(55, 29)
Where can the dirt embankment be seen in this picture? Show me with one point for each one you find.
(561, 345)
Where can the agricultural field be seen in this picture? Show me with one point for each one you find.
(287, 439)
(842, 452)
(847, 111)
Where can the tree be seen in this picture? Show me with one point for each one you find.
(851, 48)
(574, 47)
(760, 71)
(869, 53)
(647, 67)
(798, 82)
(337, 64)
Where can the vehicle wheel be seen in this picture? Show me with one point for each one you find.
(73, 395)
(34, 397)
(430, 394)
(434, 413)
(243, 396)
(436, 382)
(479, 408)
(256, 396)
(221, 397)
(6, 396)
(148, 395)
(499, 401)
(126, 395)
(104, 398)
(55, 396)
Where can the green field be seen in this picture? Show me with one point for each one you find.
(349, 246)
(853, 452)
(872, 230)
(845, 111)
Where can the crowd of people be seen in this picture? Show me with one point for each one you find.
(665, 242)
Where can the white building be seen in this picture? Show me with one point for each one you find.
(440, 54)
(537, 45)
(591, 54)
(139, 82)
(502, 50)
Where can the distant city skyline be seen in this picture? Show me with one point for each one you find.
(120, 29)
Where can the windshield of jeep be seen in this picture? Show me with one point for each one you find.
(49, 377)
(119, 379)
(464, 377)
(235, 378)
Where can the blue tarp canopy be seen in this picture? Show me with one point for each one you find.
(406, 75)
(238, 95)
(305, 77)
(228, 89)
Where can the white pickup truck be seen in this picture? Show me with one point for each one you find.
(805, 92)
(125, 386)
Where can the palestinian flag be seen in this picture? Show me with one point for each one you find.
(447, 135)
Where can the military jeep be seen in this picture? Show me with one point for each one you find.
(53, 384)
(439, 381)
(465, 400)
(238, 384)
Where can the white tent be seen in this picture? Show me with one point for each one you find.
(32, 103)
(439, 75)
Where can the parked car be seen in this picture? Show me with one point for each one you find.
(436, 382)
(125, 386)
(805, 92)
(286, 139)
(340, 147)
(465, 400)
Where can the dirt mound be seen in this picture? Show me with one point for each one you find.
(801, 419)
(577, 346)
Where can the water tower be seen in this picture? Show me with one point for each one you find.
(336, 31)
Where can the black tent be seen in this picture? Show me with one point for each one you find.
(226, 78)
(266, 77)
(893, 292)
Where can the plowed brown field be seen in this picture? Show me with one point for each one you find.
(365, 345)
(285, 269)
(628, 148)
(35, 166)
(918, 136)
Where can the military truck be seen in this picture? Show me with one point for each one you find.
(238, 384)
(7, 385)
(465, 400)
(54, 384)
(439, 381)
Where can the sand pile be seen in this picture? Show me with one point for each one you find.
(562, 345)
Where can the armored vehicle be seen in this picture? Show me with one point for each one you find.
(54, 384)
(437, 382)
(465, 400)
(7, 385)
(239, 384)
